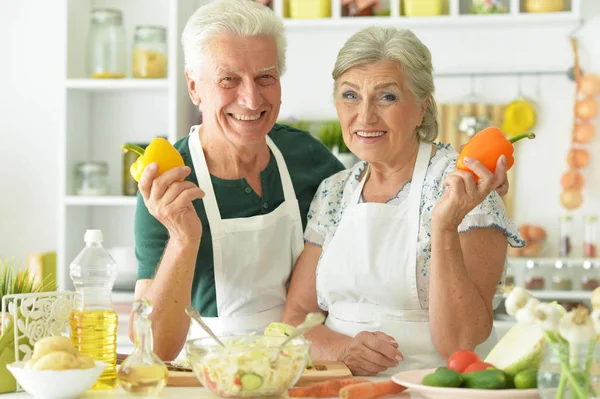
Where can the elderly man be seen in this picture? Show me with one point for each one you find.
(226, 237)
(224, 232)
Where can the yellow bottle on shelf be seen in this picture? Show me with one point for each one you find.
(94, 320)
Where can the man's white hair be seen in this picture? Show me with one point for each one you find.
(238, 17)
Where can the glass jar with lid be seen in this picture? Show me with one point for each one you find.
(534, 276)
(590, 275)
(91, 178)
(566, 239)
(150, 52)
(590, 237)
(562, 279)
(106, 45)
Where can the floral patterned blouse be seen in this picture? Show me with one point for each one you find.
(332, 197)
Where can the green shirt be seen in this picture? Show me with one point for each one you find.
(308, 162)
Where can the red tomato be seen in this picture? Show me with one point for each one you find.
(462, 359)
(478, 366)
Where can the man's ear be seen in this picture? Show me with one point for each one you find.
(191, 85)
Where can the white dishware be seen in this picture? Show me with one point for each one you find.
(55, 384)
(412, 380)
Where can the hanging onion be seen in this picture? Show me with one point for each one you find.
(572, 180)
(584, 132)
(590, 85)
(578, 158)
(586, 108)
(571, 199)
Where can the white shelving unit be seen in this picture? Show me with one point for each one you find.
(456, 13)
(574, 268)
(100, 115)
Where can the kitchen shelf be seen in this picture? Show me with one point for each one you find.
(116, 84)
(566, 17)
(562, 295)
(107, 200)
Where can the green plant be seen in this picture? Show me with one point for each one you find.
(331, 136)
(13, 281)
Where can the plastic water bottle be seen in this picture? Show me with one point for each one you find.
(94, 320)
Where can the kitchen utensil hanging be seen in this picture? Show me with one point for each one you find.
(467, 122)
(519, 115)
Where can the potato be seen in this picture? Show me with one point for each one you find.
(53, 344)
(58, 360)
(85, 362)
(30, 363)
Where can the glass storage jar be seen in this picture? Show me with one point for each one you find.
(106, 45)
(534, 276)
(150, 52)
(590, 237)
(91, 178)
(544, 5)
(590, 275)
(566, 238)
(562, 279)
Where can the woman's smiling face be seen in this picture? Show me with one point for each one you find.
(378, 113)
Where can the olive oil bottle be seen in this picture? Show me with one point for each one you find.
(143, 372)
(93, 320)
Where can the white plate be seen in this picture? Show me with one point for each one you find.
(412, 380)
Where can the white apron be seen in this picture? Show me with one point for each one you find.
(253, 257)
(368, 274)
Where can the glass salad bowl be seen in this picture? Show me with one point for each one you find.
(244, 367)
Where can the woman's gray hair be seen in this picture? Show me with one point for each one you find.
(374, 44)
(239, 17)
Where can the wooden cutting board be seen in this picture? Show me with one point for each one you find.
(322, 371)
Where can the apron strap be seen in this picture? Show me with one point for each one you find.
(204, 182)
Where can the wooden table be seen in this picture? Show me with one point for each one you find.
(174, 393)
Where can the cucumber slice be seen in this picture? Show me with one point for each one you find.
(250, 381)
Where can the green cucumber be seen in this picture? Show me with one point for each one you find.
(443, 377)
(486, 379)
(526, 379)
(251, 381)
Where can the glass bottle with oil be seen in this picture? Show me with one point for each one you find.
(143, 372)
(93, 319)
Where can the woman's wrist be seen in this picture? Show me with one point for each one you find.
(341, 348)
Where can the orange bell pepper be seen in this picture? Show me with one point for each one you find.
(487, 146)
(160, 151)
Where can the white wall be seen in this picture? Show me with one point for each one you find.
(540, 163)
(32, 69)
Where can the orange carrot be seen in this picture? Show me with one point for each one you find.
(324, 389)
(370, 390)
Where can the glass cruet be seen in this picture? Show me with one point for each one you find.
(143, 372)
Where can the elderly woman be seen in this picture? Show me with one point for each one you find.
(225, 238)
(403, 252)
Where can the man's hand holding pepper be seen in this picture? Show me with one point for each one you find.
(169, 200)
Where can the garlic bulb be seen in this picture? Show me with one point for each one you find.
(517, 298)
(526, 314)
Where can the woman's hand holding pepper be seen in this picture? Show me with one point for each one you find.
(170, 201)
(462, 194)
(369, 353)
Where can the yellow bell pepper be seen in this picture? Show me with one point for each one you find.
(160, 151)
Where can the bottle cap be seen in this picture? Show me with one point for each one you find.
(93, 236)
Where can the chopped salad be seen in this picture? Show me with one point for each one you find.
(243, 368)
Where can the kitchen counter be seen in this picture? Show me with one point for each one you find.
(176, 393)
